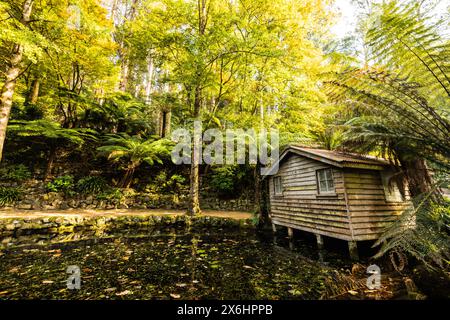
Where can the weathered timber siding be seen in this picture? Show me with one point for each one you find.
(358, 211)
(300, 207)
(369, 210)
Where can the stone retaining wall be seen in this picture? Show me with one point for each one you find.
(11, 229)
(35, 198)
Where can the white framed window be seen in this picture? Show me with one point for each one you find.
(325, 181)
(277, 186)
(391, 191)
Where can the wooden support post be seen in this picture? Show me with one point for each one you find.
(353, 249)
(290, 232)
(274, 227)
(319, 241)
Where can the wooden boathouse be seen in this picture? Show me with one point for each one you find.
(339, 195)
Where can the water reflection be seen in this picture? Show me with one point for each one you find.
(163, 263)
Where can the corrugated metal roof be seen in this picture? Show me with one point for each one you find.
(343, 157)
(334, 158)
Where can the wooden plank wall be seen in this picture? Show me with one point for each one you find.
(300, 208)
(370, 212)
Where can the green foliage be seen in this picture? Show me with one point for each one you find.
(133, 150)
(427, 237)
(400, 106)
(176, 183)
(226, 180)
(16, 172)
(91, 185)
(50, 132)
(223, 179)
(63, 184)
(112, 194)
(163, 184)
(9, 195)
(121, 112)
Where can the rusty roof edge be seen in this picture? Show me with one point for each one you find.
(377, 165)
(360, 157)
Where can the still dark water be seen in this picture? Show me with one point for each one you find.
(165, 264)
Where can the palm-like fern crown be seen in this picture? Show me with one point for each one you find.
(413, 48)
(401, 106)
(402, 103)
(135, 149)
(50, 130)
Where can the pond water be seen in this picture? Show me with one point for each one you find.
(167, 264)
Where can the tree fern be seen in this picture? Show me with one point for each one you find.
(423, 232)
(400, 108)
(131, 151)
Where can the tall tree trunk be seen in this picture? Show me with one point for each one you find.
(167, 123)
(12, 72)
(34, 92)
(194, 193)
(194, 185)
(194, 205)
(261, 204)
(149, 82)
(165, 117)
(258, 185)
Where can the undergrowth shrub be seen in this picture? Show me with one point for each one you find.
(16, 172)
(91, 185)
(9, 195)
(63, 184)
(111, 194)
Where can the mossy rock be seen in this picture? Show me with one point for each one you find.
(66, 229)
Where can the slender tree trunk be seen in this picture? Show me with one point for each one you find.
(34, 92)
(257, 177)
(167, 123)
(127, 179)
(164, 119)
(50, 163)
(12, 72)
(160, 123)
(194, 187)
(114, 7)
(194, 205)
(149, 83)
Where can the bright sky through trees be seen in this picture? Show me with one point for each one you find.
(348, 15)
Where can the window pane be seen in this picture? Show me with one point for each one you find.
(325, 180)
(277, 185)
(330, 184)
(321, 174)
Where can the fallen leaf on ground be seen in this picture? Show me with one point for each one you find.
(123, 293)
